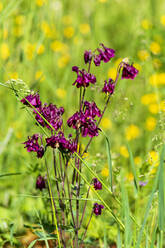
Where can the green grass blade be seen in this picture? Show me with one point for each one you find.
(155, 185)
(153, 236)
(133, 168)
(119, 242)
(10, 174)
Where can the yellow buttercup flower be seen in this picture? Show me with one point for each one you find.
(162, 105)
(130, 176)
(155, 48)
(61, 93)
(150, 123)
(20, 19)
(58, 46)
(67, 20)
(162, 20)
(4, 51)
(48, 31)
(143, 55)
(39, 76)
(137, 160)
(154, 108)
(149, 98)
(132, 132)
(106, 123)
(85, 28)
(5, 34)
(102, 1)
(153, 158)
(157, 79)
(69, 32)
(146, 24)
(105, 172)
(14, 75)
(112, 72)
(124, 151)
(1, 6)
(29, 50)
(40, 49)
(63, 61)
(40, 3)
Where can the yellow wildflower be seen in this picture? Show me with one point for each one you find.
(124, 151)
(85, 28)
(162, 20)
(61, 93)
(58, 46)
(20, 19)
(40, 49)
(157, 79)
(102, 1)
(155, 48)
(154, 108)
(67, 20)
(112, 73)
(153, 158)
(14, 75)
(153, 171)
(130, 176)
(137, 160)
(132, 132)
(105, 172)
(40, 3)
(149, 98)
(69, 32)
(150, 123)
(48, 31)
(5, 34)
(18, 31)
(63, 61)
(1, 6)
(146, 24)
(143, 55)
(29, 50)
(106, 123)
(4, 51)
(156, 63)
(39, 76)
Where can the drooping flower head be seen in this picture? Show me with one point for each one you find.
(52, 114)
(33, 99)
(83, 78)
(97, 209)
(40, 183)
(32, 145)
(109, 87)
(105, 54)
(91, 110)
(97, 184)
(129, 72)
(87, 56)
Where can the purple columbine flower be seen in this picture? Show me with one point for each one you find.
(97, 184)
(87, 56)
(91, 110)
(32, 145)
(60, 142)
(83, 78)
(40, 183)
(109, 87)
(97, 209)
(129, 72)
(97, 60)
(33, 100)
(52, 114)
(105, 54)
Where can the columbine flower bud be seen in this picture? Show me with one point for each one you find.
(87, 56)
(97, 209)
(97, 184)
(40, 183)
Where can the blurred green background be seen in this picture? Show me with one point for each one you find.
(40, 41)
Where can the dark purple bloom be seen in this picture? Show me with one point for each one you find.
(40, 183)
(60, 142)
(91, 110)
(83, 78)
(97, 209)
(142, 183)
(129, 72)
(85, 123)
(52, 114)
(97, 60)
(109, 87)
(32, 145)
(33, 100)
(97, 184)
(87, 56)
(105, 54)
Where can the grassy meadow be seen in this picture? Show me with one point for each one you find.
(40, 41)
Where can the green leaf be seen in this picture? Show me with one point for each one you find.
(109, 161)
